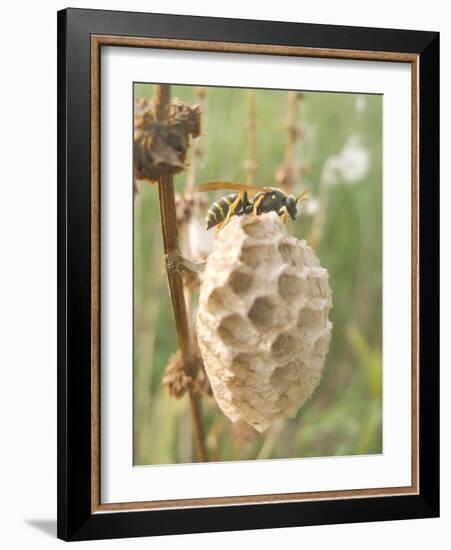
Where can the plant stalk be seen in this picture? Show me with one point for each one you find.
(291, 140)
(190, 194)
(319, 220)
(175, 281)
(196, 151)
(251, 163)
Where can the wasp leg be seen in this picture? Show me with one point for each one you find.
(283, 213)
(257, 204)
(246, 205)
(231, 211)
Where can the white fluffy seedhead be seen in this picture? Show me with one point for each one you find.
(262, 325)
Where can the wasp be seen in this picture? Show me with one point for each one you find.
(266, 199)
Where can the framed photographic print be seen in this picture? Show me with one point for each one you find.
(248, 274)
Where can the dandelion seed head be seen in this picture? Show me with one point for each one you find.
(331, 170)
(311, 206)
(360, 103)
(354, 161)
(350, 165)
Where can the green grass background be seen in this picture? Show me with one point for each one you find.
(344, 415)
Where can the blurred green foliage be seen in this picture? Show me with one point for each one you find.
(344, 416)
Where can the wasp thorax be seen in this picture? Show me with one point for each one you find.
(263, 321)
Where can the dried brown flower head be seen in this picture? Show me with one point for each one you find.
(178, 382)
(201, 92)
(160, 147)
(185, 115)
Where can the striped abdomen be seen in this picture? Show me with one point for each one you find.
(218, 211)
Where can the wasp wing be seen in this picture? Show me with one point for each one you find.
(216, 185)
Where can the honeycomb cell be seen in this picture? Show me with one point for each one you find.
(216, 300)
(287, 372)
(262, 312)
(253, 256)
(234, 330)
(283, 346)
(286, 250)
(311, 318)
(240, 282)
(290, 286)
(255, 230)
(321, 346)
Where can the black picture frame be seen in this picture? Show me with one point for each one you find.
(76, 520)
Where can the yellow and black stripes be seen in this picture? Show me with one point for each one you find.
(218, 211)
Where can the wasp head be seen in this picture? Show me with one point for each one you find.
(291, 206)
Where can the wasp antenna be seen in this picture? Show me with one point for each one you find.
(303, 196)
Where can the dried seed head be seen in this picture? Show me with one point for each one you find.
(183, 208)
(186, 205)
(201, 92)
(284, 175)
(175, 379)
(142, 104)
(178, 382)
(160, 148)
(186, 116)
(262, 324)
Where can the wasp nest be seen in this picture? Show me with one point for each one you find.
(262, 324)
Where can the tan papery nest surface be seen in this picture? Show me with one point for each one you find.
(263, 320)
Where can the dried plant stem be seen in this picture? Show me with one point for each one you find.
(291, 126)
(271, 439)
(286, 173)
(196, 151)
(251, 164)
(175, 281)
(196, 154)
(170, 243)
(189, 193)
(319, 220)
(291, 139)
(161, 101)
(185, 439)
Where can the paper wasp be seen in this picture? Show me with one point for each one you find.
(267, 199)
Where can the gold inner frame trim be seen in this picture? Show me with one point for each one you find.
(97, 41)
